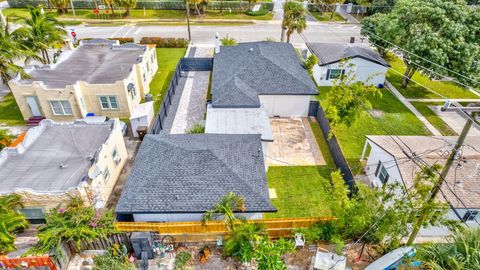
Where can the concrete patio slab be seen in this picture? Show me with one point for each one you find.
(294, 144)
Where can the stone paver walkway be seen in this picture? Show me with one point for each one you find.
(413, 109)
(192, 107)
(455, 120)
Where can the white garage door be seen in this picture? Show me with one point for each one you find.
(286, 105)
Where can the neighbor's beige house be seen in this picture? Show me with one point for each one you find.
(99, 77)
(58, 160)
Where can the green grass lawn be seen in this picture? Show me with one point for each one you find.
(433, 118)
(9, 112)
(393, 118)
(327, 16)
(83, 14)
(300, 191)
(167, 59)
(414, 90)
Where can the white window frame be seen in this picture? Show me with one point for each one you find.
(382, 173)
(61, 107)
(471, 215)
(329, 77)
(106, 175)
(109, 102)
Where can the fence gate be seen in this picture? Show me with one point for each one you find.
(196, 64)
(313, 108)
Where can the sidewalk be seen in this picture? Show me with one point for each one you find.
(455, 120)
(409, 105)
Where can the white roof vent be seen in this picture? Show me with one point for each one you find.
(250, 50)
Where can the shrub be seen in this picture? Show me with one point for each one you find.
(228, 41)
(123, 40)
(165, 42)
(322, 231)
(196, 129)
(311, 61)
(182, 259)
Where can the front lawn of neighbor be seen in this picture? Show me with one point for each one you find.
(391, 117)
(167, 59)
(300, 191)
(414, 90)
(433, 118)
(327, 16)
(9, 112)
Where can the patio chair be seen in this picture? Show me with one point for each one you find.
(299, 240)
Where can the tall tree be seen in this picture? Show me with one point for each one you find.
(127, 4)
(43, 31)
(12, 50)
(373, 28)
(293, 18)
(225, 209)
(436, 37)
(61, 5)
(10, 221)
(110, 4)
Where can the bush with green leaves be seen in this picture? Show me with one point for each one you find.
(74, 223)
(228, 41)
(310, 63)
(11, 221)
(196, 129)
(114, 259)
(241, 243)
(165, 42)
(259, 12)
(269, 254)
(182, 259)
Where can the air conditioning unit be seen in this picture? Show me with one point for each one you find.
(117, 159)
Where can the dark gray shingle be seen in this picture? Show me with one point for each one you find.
(242, 72)
(329, 53)
(187, 173)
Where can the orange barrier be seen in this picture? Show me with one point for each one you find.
(27, 262)
(18, 140)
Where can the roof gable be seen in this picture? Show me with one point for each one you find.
(329, 53)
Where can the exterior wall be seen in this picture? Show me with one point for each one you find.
(378, 154)
(84, 97)
(101, 188)
(286, 105)
(365, 71)
(181, 217)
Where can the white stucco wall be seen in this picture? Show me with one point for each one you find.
(286, 105)
(364, 71)
(181, 217)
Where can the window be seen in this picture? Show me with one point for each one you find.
(381, 173)
(132, 90)
(108, 102)
(34, 215)
(144, 77)
(335, 73)
(106, 175)
(61, 107)
(116, 157)
(470, 215)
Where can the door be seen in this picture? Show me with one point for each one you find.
(33, 105)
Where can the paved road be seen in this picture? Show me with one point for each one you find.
(316, 32)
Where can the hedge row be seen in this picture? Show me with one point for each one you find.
(152, 4)
(165, 42)
(123, 40)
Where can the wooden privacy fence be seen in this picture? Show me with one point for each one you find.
(34, 262)
(196, 231)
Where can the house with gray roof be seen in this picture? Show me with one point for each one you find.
(178, 177)
(357, 60)
(99, 77)
(256, 74)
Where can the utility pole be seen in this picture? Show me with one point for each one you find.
(73, 11)
(188, 21)
(436, 188)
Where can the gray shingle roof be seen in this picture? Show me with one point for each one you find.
(242, 72)
(92, 62)
(329, 53)
(187, 173)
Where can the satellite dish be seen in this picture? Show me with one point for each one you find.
(94, 171)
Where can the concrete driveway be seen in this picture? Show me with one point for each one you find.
(294, 144)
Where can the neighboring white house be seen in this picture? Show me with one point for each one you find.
(178, 177)
(55, 161)
(387, 163)
(338, 59)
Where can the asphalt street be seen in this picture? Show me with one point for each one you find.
(316, 32)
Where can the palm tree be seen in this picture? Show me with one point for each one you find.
(461, 252)
(43, 31)
(10, 221)
(293, 18)
(110, 4)
(60, 5)
(10, 51)
(127, 4)
(226, 208)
